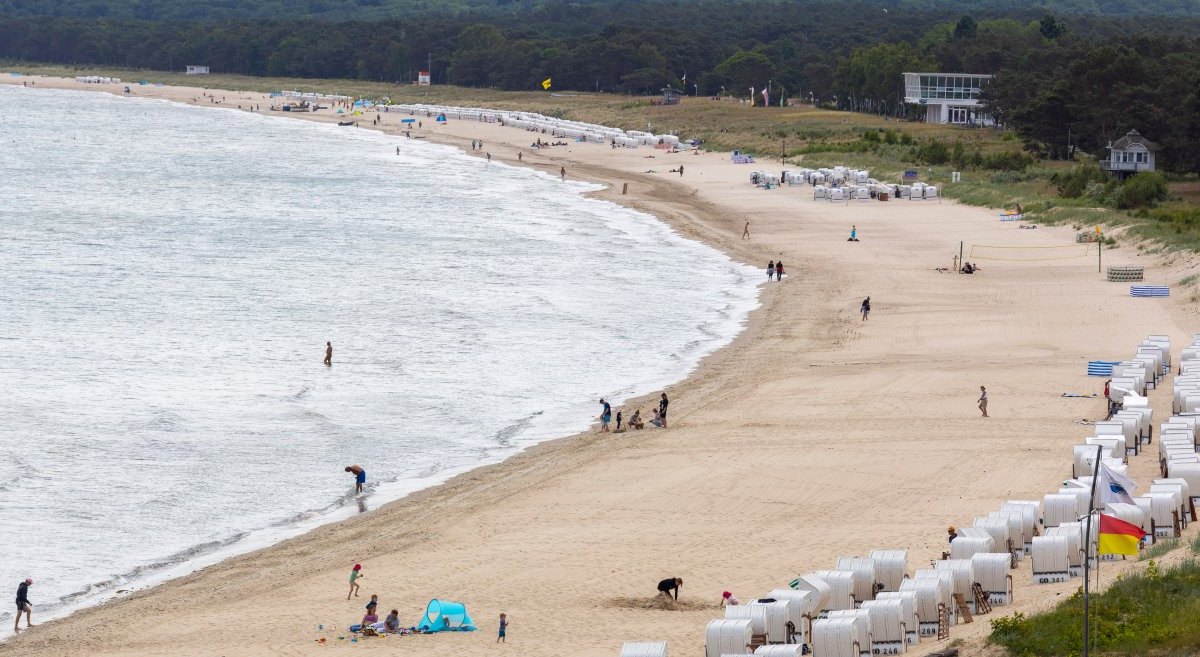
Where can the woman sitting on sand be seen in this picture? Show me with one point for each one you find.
(635, 420)
(370, 618)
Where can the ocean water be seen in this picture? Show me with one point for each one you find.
(169, 276)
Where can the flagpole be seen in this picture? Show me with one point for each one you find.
(1087, 550)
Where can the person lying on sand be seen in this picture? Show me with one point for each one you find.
(669, 586)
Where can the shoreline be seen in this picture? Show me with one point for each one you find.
(748, 419)
(170, 569)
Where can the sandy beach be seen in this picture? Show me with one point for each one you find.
(814, 435)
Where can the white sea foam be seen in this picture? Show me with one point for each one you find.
(169, 276)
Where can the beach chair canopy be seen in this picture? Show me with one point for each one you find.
(445, 616)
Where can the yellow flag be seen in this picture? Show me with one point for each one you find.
(1097, 230)
(546, 83)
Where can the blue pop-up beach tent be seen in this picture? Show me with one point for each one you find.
(445, 616)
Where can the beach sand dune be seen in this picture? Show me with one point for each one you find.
(814, 435)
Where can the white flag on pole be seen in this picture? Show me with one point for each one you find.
(1114, 486)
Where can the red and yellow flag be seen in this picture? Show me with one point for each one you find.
(1118, 536)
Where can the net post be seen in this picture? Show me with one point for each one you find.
(1099, 254)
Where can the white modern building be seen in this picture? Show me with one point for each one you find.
(197, 70)
(948, 97)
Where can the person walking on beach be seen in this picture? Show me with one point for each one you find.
(770, 270)
(779, 270)
(519, 154)
(503, 628)
(562, 173)
(746, 231)
(681, 171)
(360, 477)
(23, 604)
(605, 415)
(662, 409)
(670, 586)
(865, 308)
(355, 575)
(983, 401)
(329, 353)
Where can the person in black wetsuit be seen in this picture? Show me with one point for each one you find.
(23, 605)
(670, 585)
(662, 409)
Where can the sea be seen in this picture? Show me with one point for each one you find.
(169, 278)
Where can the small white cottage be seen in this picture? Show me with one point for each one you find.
(1130, 154)
(197, 70)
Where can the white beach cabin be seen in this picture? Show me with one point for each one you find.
(908, 612)
(928, 595)
(889, 632)
(644, 649)
(841, 584)
(991, 571)
(965, 547)
(819, 589)
(780, 650)
(727, 637)
(841, 637)
(864, 580)
(891, 567)
(1051, 559)
(1074, 536)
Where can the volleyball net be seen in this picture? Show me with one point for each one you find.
(1030, 253)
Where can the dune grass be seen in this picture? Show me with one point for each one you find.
(1149, 613)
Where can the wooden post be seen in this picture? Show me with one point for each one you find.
(624, 188)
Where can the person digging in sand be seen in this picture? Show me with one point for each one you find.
(670, 586)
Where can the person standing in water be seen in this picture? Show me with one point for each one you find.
(562, 173)
(360, 477)
(329, 353)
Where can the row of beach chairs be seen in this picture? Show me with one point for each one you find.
(871, 605)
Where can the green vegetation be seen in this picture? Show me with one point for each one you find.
(223, 10)
(1149, 613)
